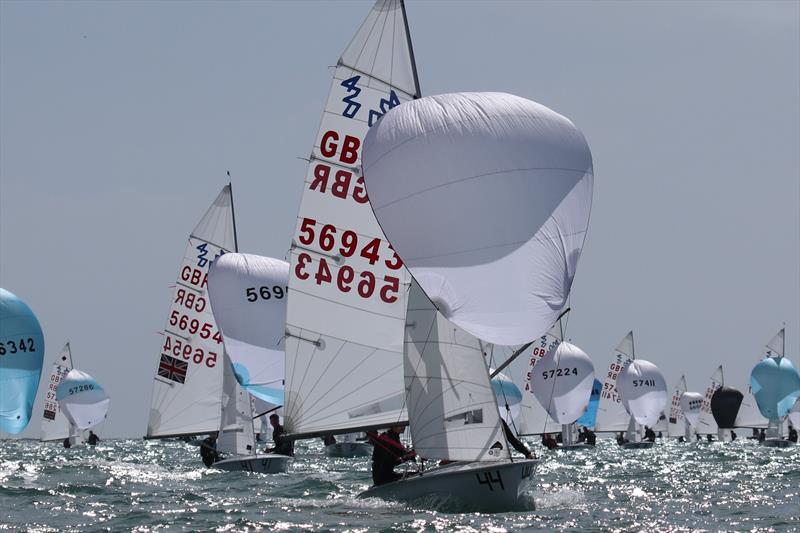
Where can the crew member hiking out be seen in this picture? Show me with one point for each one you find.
(388, 452)
(208, 450)
(283, 445)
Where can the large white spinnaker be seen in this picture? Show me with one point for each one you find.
(677, 425)
(562, 382)
(55, 425)
(187, 387)
(643, 391)
(517, 178)
(248, 298)
(451, 404)
(345, 321)
(82, 399)
(706, 425)
(611, 414)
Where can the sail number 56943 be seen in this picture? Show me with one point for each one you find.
(347, 244)
(346, 279)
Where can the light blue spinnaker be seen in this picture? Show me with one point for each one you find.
(589, 417)
(21, 357)
(776, 386)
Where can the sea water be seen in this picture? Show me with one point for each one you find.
(162, 485)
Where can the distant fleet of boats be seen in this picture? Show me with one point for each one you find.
(438, 302)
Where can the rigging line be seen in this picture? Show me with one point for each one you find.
(411, 51)
(300, 386)
(290, 385)
(552, 389)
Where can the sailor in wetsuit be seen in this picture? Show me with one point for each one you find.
(387, 453)
(208, 450)
(93, 438)
(513, 441)
(283, 445)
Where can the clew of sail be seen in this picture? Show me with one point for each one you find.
(348, 289)
(187, 385)
(452, 405)
(55, 425)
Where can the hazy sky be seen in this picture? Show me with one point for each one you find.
(119, 119)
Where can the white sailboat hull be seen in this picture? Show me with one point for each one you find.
(487, 486)
(263, 463)
(348, 449)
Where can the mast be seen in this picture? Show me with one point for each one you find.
(418, 91)
(233, 215)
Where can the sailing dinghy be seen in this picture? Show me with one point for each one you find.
(82, 399)
(248, 294)
(55, 426)
(776, 386)
(488, 152)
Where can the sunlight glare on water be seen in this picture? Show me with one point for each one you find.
(152, 485)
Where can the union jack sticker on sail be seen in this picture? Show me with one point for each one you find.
(173, 369)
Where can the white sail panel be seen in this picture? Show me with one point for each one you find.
(706, 423)
(643, 391)
(188, 382)
(691, 405)
(677, 423)
(749, 416)
(518, 179)
(611, 414)
(82, 399)
(794, 414)
(452, 407)
(533, 418)
(562, 382)
(248, 296)
(348, 289)
(777, 345)
(55, 425)
(236, 436)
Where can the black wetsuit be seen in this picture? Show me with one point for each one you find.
(93, 439)
(591, 438)
(283, 445)
(208, 451)
(793, 435)
(387, 453)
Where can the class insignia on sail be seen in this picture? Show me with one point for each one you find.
(21, 358)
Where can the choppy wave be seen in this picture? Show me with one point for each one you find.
(149, 486)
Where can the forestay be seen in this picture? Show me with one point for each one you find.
(248, 299)
(489, 187)
(55, 425)
(562, 382)
(643, 391)
(187, 387)
(236, 436)
(348, 289)
(705, 423)
(82, 399)
(611, 414)
(452, 407)
(676, 426)
(21, 357)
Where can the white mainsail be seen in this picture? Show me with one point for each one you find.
(451, 403)
(706, 424)
(187, 388)
(55, 425)
(611, 414)
(777, 344)
(236, 435)
(677, 422)
(345, 322)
